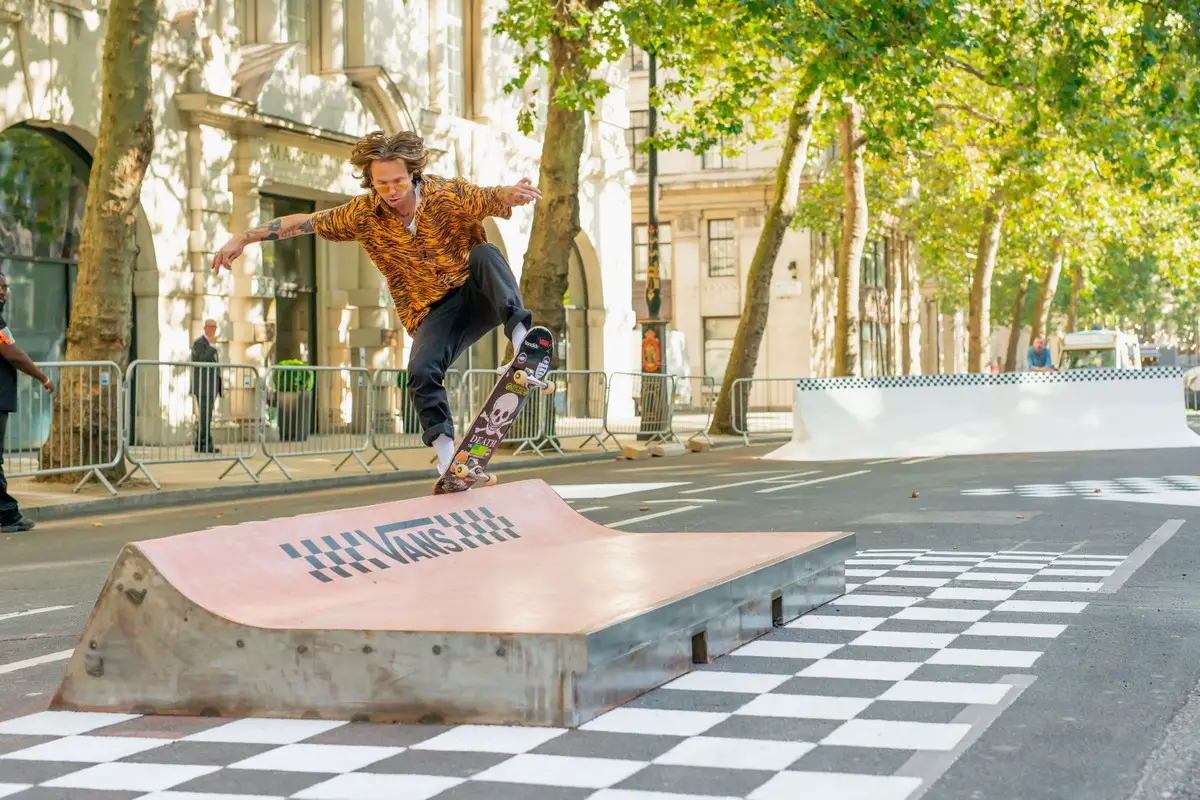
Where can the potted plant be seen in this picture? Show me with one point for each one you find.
(293, 390)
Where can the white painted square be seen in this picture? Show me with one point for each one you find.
(955, 593)
(510, 739)
(842, 786)
(170, 795)
(62, 723)
(965, 560)
(599, 491)
(958, 554)
(719, 753)
(963, 657)
(855, 669)
(1077, 573)
(573, 771)
(265, 731)
(654, 721)
(1061, 586)
(332, 758)
(638, 794)
(772, 649)
(1019, 554)
(1089, 561)
(1024, 565)
(867, 562)
(947, 692)
(865, 573)
(928, 641)
(12, 788)
(802, 706)
(931, 614)
(87, 749)
(909, 580)
(1034, 630)
(948, 569)
(735, 682)
(836, 622)
(876, 601)
(891, 552)
(996, 577)
(942, 736)
(122, 777)
(1042, 606)
(368, 786)
(850, 587)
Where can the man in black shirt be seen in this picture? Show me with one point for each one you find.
(12, 358)
(206, 385)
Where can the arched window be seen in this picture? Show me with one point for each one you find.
(43, 188)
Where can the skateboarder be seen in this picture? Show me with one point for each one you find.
(425, 235)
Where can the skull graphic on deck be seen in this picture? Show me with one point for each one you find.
(501, 414)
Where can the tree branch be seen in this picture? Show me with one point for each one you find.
(978, 73)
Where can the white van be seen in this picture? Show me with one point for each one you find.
(1099, 349)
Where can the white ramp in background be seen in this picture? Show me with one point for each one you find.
(1015, 412)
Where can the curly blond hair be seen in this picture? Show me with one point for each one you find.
(405, 146)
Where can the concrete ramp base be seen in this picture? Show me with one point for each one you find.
(911, 416)
(500, 605)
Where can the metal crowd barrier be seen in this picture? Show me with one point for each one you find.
(77, 429)
(762, 406)
(187, 411)
(315, 411)
(476, 386)
(693, 406)
(395, 423)
(638, 404)
(575, 410)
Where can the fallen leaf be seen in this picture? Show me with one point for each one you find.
(97, 524)
(643, 508)
(1095, 491)
(220, 515)
(1020, 516)
(916, 494)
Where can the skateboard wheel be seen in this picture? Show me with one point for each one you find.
(549, 388)
(519, 377)
(461, 470)
(489, 479)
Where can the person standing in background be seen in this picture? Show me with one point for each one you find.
(206, 385)
(12, 358)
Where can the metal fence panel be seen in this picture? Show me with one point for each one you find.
(477, 386)
(692, 411)
(763, 406)
(313, 411)
(77, 429)
(186, 411)
(395, 423)
(639, 404)
(576, 410)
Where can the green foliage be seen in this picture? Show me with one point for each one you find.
(291, 379)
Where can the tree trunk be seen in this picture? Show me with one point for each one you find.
(1014, 328)
(981, 282)
(892, 262)
(1073, 311)
(912, 304)
(544, 275)
(84, 426)
(1048, 288)
(854, 237)
(753, 322)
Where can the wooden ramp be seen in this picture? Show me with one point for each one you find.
(499, 605)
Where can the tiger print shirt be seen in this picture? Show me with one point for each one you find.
(422, 267)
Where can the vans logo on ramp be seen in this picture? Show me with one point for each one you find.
(357, 552)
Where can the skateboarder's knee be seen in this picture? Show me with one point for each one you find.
(485, 256)
(424, 375)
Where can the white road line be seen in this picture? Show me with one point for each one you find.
(747, 483)
(919, 460)
(31, 612)
(881, 461)
(35, 662)
(590, 508)
(814, 480)
(1140, 556)
(656, 515)
(690, 500)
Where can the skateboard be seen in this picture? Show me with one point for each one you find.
(524, 375)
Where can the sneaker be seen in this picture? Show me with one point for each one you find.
(19, 525)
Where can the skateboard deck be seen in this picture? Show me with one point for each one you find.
(499, 411)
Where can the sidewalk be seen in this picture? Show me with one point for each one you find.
(201, 481)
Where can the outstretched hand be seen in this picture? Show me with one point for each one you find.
(228, 254)
(521, 194)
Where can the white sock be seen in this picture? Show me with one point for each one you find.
(518, 336)
(444, 446)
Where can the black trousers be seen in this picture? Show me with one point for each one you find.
(489, 298)
(204, 403)
(9, 510)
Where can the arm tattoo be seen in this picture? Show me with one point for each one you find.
(274, 230)
(306, 226)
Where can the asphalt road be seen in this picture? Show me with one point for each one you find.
(1109, 711)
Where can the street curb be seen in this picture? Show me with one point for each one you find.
(241, 491)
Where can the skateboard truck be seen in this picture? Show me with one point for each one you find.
(475, 474)
(522, 378)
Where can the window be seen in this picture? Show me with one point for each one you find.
(714, 158)
(721, 261)
(293, 23)
(639, 131)
(718, 344)
(641, 251)
(454, 57)
(873, 264)
(637, 60)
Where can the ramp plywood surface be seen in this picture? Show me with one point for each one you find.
(510, 559)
